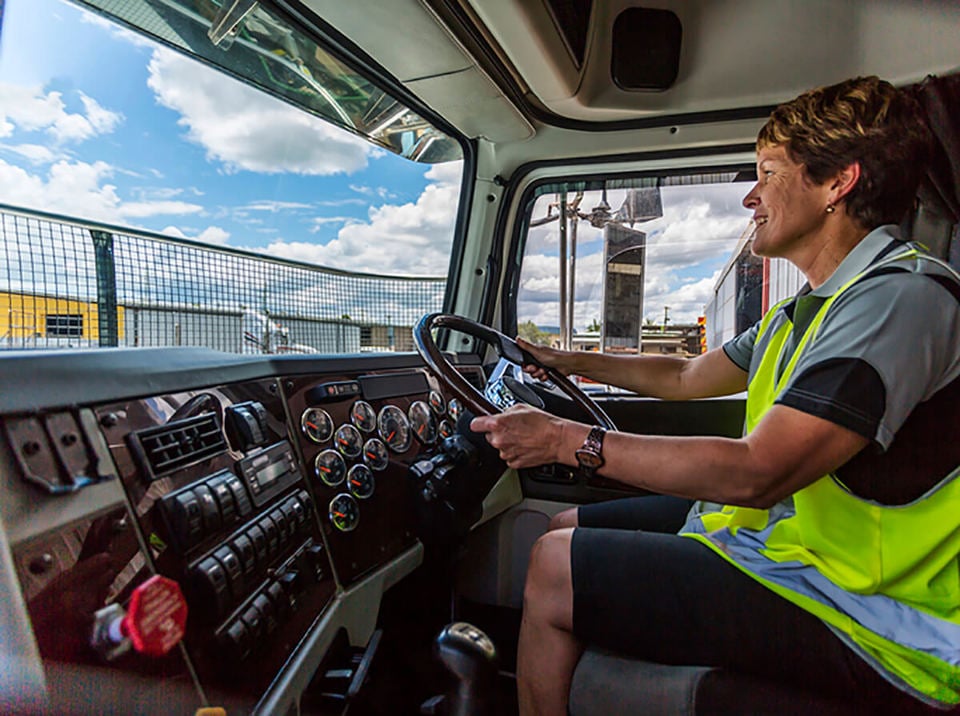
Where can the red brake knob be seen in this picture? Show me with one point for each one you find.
(157, 616)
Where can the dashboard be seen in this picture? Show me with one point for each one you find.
(267, 493)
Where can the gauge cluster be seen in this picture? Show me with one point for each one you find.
(358, 436)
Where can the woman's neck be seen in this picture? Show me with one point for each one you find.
(819, 258)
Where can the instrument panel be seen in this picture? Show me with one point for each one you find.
(263, 499)
(358, 436)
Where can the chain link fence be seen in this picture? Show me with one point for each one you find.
(72, 283)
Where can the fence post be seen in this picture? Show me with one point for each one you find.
(106, 287)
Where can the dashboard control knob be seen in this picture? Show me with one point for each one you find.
(278, 596)
(318, 560)
(290, 581)
(292, 584)
(211, 587)
(156, 618)
(237, 639)
(267, 611)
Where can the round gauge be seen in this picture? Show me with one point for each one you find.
(436, 402)
(360, 480)
(454, 409)
(362, 415)
(394, 428)
(445, 429)
(331, 469)
(423, 423)
(348, 441)
(344, 512)
(316, 425)
(375, 454)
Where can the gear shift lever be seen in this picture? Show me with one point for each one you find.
(468, 654)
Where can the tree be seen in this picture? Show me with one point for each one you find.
(529, 332)
(594, 327)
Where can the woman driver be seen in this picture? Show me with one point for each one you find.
(833, 565)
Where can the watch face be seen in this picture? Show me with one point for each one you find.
(589, 459)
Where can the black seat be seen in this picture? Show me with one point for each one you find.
(612, 685)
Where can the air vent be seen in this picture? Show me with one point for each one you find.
(474, 376)
(175, 445)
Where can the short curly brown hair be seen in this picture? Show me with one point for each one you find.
(865, 120)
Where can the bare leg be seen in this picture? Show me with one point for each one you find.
(548, 651)
(567, 518)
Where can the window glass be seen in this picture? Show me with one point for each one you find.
(654, 265)
(150, 199)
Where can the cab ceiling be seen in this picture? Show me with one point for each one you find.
(498, 68)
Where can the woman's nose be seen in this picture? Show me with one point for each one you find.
(752, 199)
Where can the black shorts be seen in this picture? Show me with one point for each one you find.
(672, 600)
(652, 513)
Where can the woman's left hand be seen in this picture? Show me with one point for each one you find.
(524, 436)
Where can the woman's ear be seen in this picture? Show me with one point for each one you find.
(844, 182)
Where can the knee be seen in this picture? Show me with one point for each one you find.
(562, 520)
(549, 573)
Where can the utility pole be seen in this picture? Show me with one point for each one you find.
(666, 319)
(570, 211)
(565, 333)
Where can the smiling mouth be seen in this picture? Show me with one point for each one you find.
(760, 220)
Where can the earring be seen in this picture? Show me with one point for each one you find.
(831, 208)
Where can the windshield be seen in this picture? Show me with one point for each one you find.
(152, 200)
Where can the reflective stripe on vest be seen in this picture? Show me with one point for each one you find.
(886, 579)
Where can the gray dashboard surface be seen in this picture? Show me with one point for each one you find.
(43, 380)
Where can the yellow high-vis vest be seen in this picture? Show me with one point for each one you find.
(885, 579)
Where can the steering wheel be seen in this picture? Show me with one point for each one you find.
(505, 348)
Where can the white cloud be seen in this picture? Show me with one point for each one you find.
(245, 129)
(275, 206)
(31, 109)
(686, 301)
(408, 239)
(79, 189)
(142, 209)
(34, 153)
(692, 231)
(71, 188)
(102, 120)
(211, 235)
(380, 192)
(320, 221)
(149, 193)
(340, 202)
(446, 173)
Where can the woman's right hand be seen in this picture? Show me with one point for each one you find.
(550, 357)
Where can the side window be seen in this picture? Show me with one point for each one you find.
(654, 265)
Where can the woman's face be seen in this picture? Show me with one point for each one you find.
(788, 207)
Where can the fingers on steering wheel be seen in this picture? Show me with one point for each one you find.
(538, 372)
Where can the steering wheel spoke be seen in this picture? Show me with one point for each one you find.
(506, 348)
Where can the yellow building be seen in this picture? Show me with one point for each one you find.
(29, 321)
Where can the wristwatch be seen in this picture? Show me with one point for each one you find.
(590, 454)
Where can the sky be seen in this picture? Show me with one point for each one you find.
(99, 123)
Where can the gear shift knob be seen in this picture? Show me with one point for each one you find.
(471, 657)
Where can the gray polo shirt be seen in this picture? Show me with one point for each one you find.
(889, 344)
